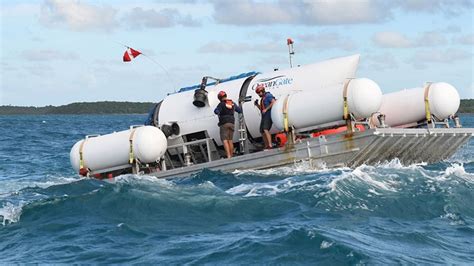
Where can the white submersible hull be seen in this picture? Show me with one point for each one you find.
(322, 115)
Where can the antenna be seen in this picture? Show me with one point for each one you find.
(291, 51)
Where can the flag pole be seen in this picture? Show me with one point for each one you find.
(154, 61)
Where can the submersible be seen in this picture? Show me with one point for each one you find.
(324, 114)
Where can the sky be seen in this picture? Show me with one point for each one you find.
(55, 52)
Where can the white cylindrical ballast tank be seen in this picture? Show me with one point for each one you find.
(408, 106)
(112, 151)
(310, 108)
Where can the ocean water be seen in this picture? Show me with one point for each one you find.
(388, 213)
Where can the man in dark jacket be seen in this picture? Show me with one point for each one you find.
(265, 106)
(225, 110)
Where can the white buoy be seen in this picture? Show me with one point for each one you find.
(112, 151)
(312, 108)
(408, 106)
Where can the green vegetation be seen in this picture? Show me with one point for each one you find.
(467, 106)
(80, 108)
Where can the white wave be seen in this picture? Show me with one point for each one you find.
(10, 213)
(14, 186)
(298, 168)
(255, 190)
(360, 174)
(394, 164)
(384, 185)
(457, 170)
(271, 188)
(454, 219)
(140, 179)
(325, 244)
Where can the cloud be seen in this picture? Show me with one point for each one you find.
(323, 12)
(381, 62)
(466, 39)
(168, 17)
(432, 6)
(78, 16)
(303, 43)
(391, 39)
(421, 59)
(451, 29)
(325, 41)
(48, 55)
(40, 70)
(237, 48)
(249, 12)
(7, 66)
(430, 38)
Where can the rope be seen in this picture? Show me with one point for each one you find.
(344, 97)
(285, 113)
(130, 139)
(427, 102)
(81, 157)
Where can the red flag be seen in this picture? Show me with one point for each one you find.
(289, 41)
(130, 54)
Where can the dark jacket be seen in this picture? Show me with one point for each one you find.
(225, 110)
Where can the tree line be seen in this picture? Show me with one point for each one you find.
(105, 107)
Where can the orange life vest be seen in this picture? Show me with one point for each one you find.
(229, 104)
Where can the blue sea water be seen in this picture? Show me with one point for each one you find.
(389, 213)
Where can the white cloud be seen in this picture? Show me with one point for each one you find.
(311, 12)
(466, 39)
(303, 43)
(248, 12)
(237, 48)
(341, 12)
(150, 18)
(325, 41)
(445, 6)
(421, 59)
(451, 29)
(48, 55)
(390, 39)
(430, 38)
(78, 16)
(324, 12)
(380, 62)
(274, 60)
(40, 70)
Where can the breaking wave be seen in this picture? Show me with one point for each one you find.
(388, 213)
(252, 211)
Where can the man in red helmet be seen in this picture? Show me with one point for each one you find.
(265, 106)
(225, 110)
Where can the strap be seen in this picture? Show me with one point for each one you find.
(344, 97)
(130, 139)
(285, 113)
(427, 101)
(81, 157)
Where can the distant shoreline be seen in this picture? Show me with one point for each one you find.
(117, 108)
(81, 108)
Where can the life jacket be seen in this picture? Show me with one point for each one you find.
(229, 104)
(226, 114)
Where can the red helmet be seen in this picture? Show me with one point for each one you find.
(221, 95)
(260, 88)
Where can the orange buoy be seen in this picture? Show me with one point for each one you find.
(281, 139)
